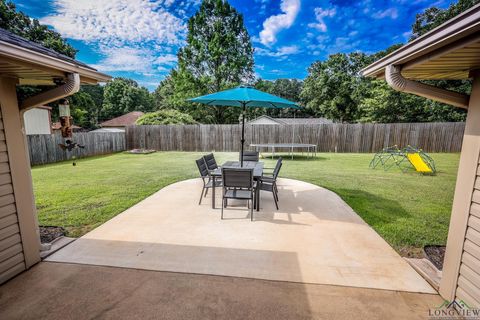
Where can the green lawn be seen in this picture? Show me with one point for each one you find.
(408, 209)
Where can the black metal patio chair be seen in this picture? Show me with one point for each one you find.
(238, 184)
(210, 161)
(206, 178)
(269, 182)
(250, 156)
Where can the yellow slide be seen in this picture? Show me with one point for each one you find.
(418, 163)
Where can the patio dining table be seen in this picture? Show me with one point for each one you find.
(257, 174)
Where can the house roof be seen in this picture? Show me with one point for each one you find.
(7, 36)
(450, 51)
(123, 121)
(290, 121)
(34, 64)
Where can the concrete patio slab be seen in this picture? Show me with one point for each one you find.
(315, 237)
(67, 291)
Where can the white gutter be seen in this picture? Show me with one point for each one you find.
(71, 86)
(394, 78)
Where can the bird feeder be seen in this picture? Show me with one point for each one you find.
(65, 118)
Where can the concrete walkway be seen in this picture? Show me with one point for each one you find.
(66, 291)
(315, 237)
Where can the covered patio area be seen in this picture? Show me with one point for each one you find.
(314, 238)
(72, 291)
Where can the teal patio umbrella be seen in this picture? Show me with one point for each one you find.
(244, 97)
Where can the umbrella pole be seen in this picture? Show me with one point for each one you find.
(243, 133)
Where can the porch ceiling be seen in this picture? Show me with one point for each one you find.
(32, 73)
(28, 75)
(456, 64)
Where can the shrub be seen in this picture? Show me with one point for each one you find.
(167, 116)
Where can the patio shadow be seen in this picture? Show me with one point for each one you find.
(91, 292)
(220, 261)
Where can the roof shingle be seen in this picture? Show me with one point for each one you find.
(123, 121)
(7, 36)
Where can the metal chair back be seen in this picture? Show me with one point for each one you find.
(237, 177)
(210, 161)
(202, 167)
(277, 168)
(250, 156)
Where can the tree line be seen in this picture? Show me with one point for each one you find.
(219, 55)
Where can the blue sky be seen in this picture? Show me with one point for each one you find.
(139, 38)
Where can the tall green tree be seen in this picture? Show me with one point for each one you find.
(81, 106)
(331, 88)
(289, 89)
(88, 104)
(218, 55)
(383, 104)
(173, 92)
(122, 95)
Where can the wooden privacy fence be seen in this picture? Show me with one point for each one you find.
(338, 137)
(43, 148)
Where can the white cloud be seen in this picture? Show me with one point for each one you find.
(275, 24)
(320, 15)
(130, 35)
(167, 59)
(132, 59)
(116, 21)
(343, 44)
(282, 52)
(124, 59)
(407, 35)
(391, 13)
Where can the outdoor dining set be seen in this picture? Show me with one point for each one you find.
(240, 180)
(243, 179)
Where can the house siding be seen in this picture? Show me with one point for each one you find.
(468, 286)
(12, 260)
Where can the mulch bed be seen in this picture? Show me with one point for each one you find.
(50, 233)
(435, 254)
(141, 151)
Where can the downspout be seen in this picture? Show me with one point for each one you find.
(399, 83)
(71, 86)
